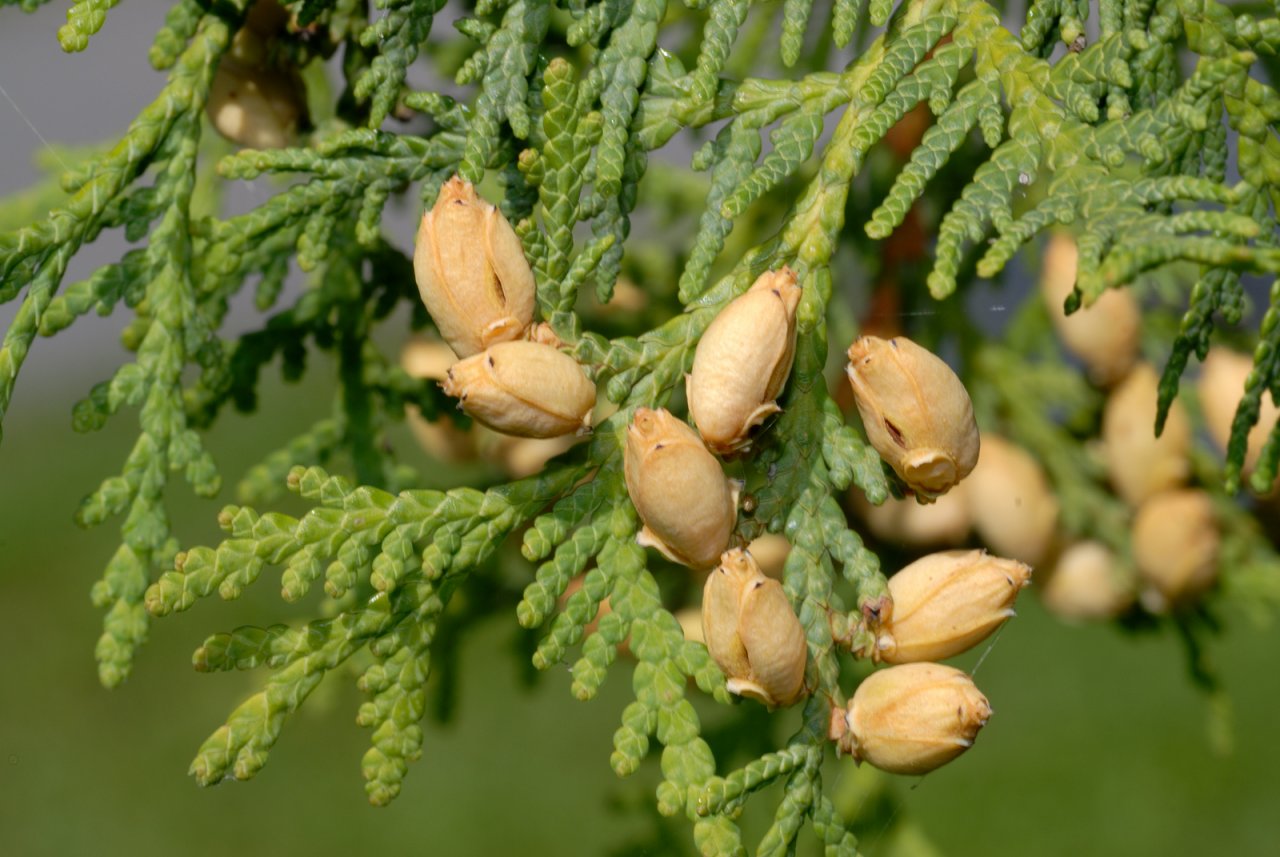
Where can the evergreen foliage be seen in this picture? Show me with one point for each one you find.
(1155, 142)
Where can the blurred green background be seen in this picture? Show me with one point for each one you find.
(1099, 743)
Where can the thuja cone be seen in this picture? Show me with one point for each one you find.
(687, 504)
(471, 271)
(525, 389)
(915, 411)
(252, 102)
(752, 632)
(742, 362)
(1103, 335)
(946, 603)
(1013, 506)
(911, 719)
(1139, 463)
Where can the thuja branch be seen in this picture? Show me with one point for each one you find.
(559, 106)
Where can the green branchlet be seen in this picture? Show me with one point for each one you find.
(567, 102)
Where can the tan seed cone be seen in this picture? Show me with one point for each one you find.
(1221, 386)
(752, 632)
(1013, 506)
(770, 552)
(913, 718)
(1086, 584)
(628, 300)
(915, 411)
(471, 271)
(526, 456)
(683, 497)
(441, 439)
(913, 524)
(1139, 463)
(742, 362)
(426, 358)
(690, 619)
(1175, 546)
(525, 389)
(251, 103)
(1104, 335)
(946, 603)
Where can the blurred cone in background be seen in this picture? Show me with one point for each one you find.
(1139, 463)
(441, 438)
(1087, 584)
(1175, 546)
(1221, 385)
(1013, 506)
(908, 523)
(1103, 335)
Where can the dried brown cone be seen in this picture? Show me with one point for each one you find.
(742, 362)
(441, 438)
(1221, 386)
(1012, 503)
(912, 524)
(752, 632)
(253, 103)
(948, 602)
(912, 719)
(471, 271)
(1175, 546)
(1087, 583)
(525, 389)
(770, 552)
(687, 504)
(1105, 335)
(915, 411)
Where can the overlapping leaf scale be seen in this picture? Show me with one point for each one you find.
(84, 19)
(1263, 379)
(735, 150)
(935, 149)
(398, 622)
(845, 15)
(724, 19)
(38, 254)
(794, 139)
(396, 686)
(398, 34)
(1025, 401)
(503, 67)
(795, 19)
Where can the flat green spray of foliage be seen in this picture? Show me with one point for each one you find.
(1156, 142)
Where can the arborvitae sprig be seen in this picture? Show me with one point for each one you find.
(84, 18)
(410, 549)
(502, 68)
(564, 101)
(172, 332)
(398, 35)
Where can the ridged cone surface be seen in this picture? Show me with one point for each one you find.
(679, 490)
(525, 389)
(946, 603)
(916, 412)
(742, 362)
(752, 631)
(471, 271)
(914, 718)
